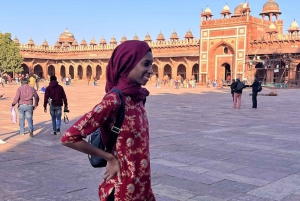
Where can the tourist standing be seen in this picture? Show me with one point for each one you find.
(24, 98)
(56, 97)
(238, 90)
(37, 80)
(232, 89)
(255, 86)
(127, 175)
(32, 81)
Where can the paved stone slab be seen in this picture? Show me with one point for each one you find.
(279, 189)
(201, 148)
(172, 192)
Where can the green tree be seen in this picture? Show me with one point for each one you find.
(10, 57)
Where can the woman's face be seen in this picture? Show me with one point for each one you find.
(143, 70)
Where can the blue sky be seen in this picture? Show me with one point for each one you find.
(39, 20)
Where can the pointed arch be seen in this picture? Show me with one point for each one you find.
(195, 72)
(155, 70)
(223, 44)
(25, 69)
(79, 72)
(71, 71)
(63, 71)
(98, 72)
(38, 70)
(181, 70)
(89, 71)
(51, 70)
(168, 70)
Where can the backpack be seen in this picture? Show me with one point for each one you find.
(259, 88)
(95, 138)
(239, 86)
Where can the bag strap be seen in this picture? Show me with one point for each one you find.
(115, 130)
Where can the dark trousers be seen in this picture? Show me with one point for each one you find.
(254, 99)
(111, 197)
(232, 96)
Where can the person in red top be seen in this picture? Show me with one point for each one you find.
(128, 175)
(24, 97)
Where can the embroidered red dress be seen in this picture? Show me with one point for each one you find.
(132, 147)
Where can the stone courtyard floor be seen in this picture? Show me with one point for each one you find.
(201, 148)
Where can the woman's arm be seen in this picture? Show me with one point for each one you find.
(113, 165)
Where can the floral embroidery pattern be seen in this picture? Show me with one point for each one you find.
(132, 147)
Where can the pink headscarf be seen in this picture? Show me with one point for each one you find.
(123, 60)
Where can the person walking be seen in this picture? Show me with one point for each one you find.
(24, 97)
(238, 89)
(37, 80)
(255, 87)
(232, 89)
(56, 97)
(128, 174)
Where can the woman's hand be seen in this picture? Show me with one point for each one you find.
(112, 168)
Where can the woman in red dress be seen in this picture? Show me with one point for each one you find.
(127, 176)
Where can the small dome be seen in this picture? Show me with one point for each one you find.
(147, 38)
(237, 10)
(174, 36)
(66, 44)
(160, 37)
(135, 37)
(66, 36)
(93, 41)
(30, 42)
(189, 35)
(103, 41)
(16, 40)
(57, 44)
(270, 7)
(74, 43)
(123, 39)
(272, 26)
(246, 5)
(83, 42)
(113, 40)
(45, 43)
(294, 26)
(225, 9)
(207, 12)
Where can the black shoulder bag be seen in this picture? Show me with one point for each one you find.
(96, 140)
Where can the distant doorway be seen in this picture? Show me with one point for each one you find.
(89, 71)
(80, 72)
(51, 70)
(182, 71)
(38, 70)
(25, 69)
(71, 72)
(168, 71)
(195, 72)
(98, 72)
(63, 71)
(226, 73)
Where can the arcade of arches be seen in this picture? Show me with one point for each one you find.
(64, 71)
(83, 71)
